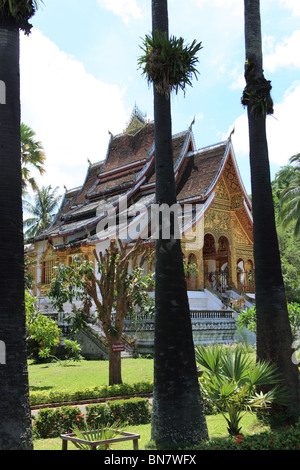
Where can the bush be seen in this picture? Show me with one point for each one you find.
(131, 411)
(105, 391)
(287, 438)
(52, 422)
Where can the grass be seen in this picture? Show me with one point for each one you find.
(75, 375)
(216, 428)
(66, 376)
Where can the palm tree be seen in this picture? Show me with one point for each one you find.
(290, 198)
(42, 210)
(32, 155)
(15, 422)
(274, 337)
(177, 416)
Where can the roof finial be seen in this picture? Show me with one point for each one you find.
(192, 123)
(231, 133)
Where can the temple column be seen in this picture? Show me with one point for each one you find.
(232, 255)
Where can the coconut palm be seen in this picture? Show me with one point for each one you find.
(42, 210)
(177, 416)
(290, 198)
(32, 155)
(274, 338)
(15, 422)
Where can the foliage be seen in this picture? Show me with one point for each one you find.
(289, 211)
(51, 422)
(114, 291)
(129, 411)
(42, 210)
(93, 433)
(229, 380)
(89, 393)
(287, 438)
(167, 62)
(289, 242)
(257, 91)
(20, 11)
(32, 155)
(43, 335)
(247, 318)
(42, 332)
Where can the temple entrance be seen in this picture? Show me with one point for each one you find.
(216, 263)
(192, 276)
(245, 276)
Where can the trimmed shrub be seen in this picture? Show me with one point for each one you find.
(105, 391)
(51, 422)
(130, 411)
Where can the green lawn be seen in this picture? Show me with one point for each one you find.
(55, 376)
(76, 375)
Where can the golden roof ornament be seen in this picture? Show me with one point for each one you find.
(136, 122)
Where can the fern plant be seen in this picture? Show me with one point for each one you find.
(168, 63)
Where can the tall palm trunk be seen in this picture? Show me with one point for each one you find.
(177, 405)
(15, 420)
(274, 337)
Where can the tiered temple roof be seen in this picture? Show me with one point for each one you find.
(128, 170)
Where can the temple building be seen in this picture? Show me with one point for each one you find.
(207, 179)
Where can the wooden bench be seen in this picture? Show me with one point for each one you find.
(124, 436)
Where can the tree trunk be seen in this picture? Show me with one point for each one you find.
(177, 416)
(115, 375)
(15, 416)
(274, 338)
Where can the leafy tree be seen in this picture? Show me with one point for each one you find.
(42, 332)
(42, 210)
(114, 290)
(32, 155)
(274, 338)
(177, 415)
(247, 318)
(289, 243)
(15, 423)
(290, 198)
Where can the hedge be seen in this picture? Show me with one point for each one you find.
(104, 391)
(52, 422)
(132, 411)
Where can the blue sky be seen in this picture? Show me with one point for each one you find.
(80, 79)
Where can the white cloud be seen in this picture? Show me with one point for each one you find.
(236, 7)
(293, 5)
(284, 54)
(126, 9)
(282, 129)
(70, 110)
